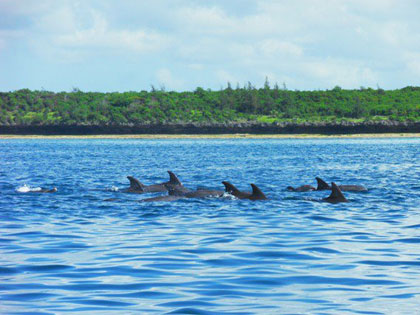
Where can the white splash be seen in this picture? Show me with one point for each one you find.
(228, 196)
(25, 188)
(114, 188)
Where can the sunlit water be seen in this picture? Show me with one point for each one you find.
(74, 252)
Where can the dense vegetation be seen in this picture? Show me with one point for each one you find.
(266, 104)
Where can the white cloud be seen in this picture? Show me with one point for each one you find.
(166, 79)
(273, 47)
(7, 36)
(412, 61)
(340, 72)
(57, 21)
(69, 36)
(224, 77)
(305, 43)
(25, 7)
(204, 21)
(100, 36)
(393, 33)
(196, 66)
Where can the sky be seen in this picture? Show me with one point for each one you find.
(179, 45)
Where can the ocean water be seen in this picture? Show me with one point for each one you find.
(73, 252)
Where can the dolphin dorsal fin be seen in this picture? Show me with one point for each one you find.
(229, 188)
(336, 193)
(322, 185)
(173, 180)
(256, 192)
(135, 183)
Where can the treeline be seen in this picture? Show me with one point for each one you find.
(240, 104)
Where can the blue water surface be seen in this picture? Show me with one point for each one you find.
(73, 252)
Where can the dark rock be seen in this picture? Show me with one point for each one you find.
(342, 127)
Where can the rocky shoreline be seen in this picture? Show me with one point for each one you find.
(327, 128)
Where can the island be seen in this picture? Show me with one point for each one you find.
(246, 109)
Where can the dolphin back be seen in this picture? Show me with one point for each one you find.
(177, 190)
(353, 188)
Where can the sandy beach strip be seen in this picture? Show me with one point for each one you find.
(214, 136)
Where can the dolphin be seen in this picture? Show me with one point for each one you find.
(185, 192)
(137, 187)
(176, 192)
(322, 185)
(45, 190)
(204, 193)
(336, 195)
(256, 194)
(163, 198)
(209, 192)
(301, 188)
(173, 180)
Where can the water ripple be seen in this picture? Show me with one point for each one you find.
(73, 252)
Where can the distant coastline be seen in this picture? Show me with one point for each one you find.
(251, 128)
(218, 136)
(246, 110)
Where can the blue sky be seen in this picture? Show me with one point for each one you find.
(112, 45)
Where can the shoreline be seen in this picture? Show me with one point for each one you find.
(218, 129)
(215, 136)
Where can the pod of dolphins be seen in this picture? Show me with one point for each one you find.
(322, 185)
(176, 190)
